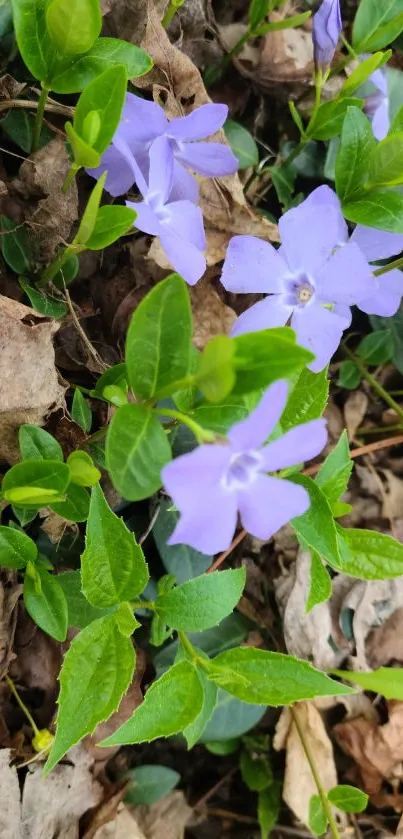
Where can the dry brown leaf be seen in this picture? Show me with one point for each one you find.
(10, 591)
(29, 384)
(125, 18)
(41, 177)
(10, 810)
(210, 314)
(123, 826)
(376, 749)
(299, 784)
(285, 62)
(372, 603)
(384, 644)
(166, 818)
(354, 411)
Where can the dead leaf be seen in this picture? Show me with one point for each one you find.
(123, 826)
(299, 784)
(29, 384)
(384, 644)
(354, 411)
(285, 62)
(125, 19)
(166, 818)
(210, 314)
(10, 591)
(377, 749)
(10, 810)
(41, 177)
(371, 603)
(106, 812)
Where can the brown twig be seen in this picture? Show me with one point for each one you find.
(203, 800)
(65, 110)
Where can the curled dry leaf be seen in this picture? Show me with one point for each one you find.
(167, 817)
(29, 385)
(385, 643)
(10, 591)
(376, 749)
(210, 314)
(122, 826)
(125, 19)
(10, 810)
(354, 411)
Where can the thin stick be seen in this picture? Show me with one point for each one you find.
(64, 110)
(86, 341)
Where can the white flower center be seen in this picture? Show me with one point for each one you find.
(299, 290)
(242, 470)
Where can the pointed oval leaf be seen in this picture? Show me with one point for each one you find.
(105, 53)
(80, 612)
(105, 94)
(16, 548)
(316, 528)
(368, 555)
(40, 479)
(33, 39)
(47, 607)
(73, 25)
(148, 784)
(76, 505)
(111, 223)
(81, 411)
(202, 602)
(348, 799)
(36, 444)
(388, 681)
(136, 450)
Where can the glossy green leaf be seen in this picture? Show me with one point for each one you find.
(388, 681)
(395, 325)
(170, 704)
(158, 343)
(377, 24)
(242, 143)
(113, 567)
(377, 347)
(80, 612)
(81, 411)
(76, 505)
(356, 144)
(316, 527)
(43, 303)
(258, 10)
(262, 357)
(283, 179)
(136, 450)
(334, 474)
(111, 223)
(149, 783)
(307, 399)
(347, 798)
(363, 71)
(195, 729)
(386, 162)
(97, 671)
(215, 373)
(33, 39)
(18, 126)
(180, 560)
(267, 678)
(221, 416)
(368, 555)
(73, 25)
(15, 245)
(84, 154)
(105, 53)
(115, 375)
(36, 444)
(317, 818)
(105, 94)
(34, 482)
(380, 209)
(329, 118)
(268, 808)
(202, 602)
(82, 469)
(45, 602)
(349, 375)
(16, 548)
(320, 587)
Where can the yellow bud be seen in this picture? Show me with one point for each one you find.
(42, 740)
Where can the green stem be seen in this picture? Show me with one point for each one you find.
(23, 707)
(180, 384)
(397, 263)
(171, 12)
(39, 118)
(53, 269)
(379, 390)
(186, 644)
(315, 774)
(142, 604)
(318, 79)
(201, 434)
(70, 176)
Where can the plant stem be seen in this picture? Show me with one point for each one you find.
(142, 604)
(171, 12)
(70, 176)
(315, 774)
(318, 79)
(201, 434)
(188, 646)
(180, 384)
(23, 707)
(397, 263)
(39, 118)
(373, 382)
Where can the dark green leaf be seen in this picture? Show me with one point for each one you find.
(80, 612)
(33, 39)
(105, 53)
(316, 527)
(283, 179)
(380, 209)
(15, 245)
(242, 143)
(36, 444)
(348, 799)
(377, 348)
(268, 808)
(329, 118)
(349, 375)
(377, 24)
(76, 505)
(136, 450)
(202, 602)
(395, 325)
(45, 603)
(73, 25)
(16, 548)
(180, 560)
(356, 144)
(320, 588)
(231, 718)
(43, 303)
(149, 783)
(256, 770)
(81, 411)
(112, 222)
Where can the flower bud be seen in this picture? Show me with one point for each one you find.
(327, 26)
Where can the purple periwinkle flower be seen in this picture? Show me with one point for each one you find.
(215, 481)
(376, 105)
(142, 123)
(178, 224)
(311, 281)
(327, 26)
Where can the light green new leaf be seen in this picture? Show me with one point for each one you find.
(45, 601)
(363, 71)
(307, 399)
(368, 555)
(36, 444)
(170, 704)
(113, 568)
(33, 39)
(385, 164)
(263, 357)
(35, 482)
(202, 602)
(329, 118)
(158, 343)
(267, 678)
(73, 25)
(97, 670)
(388, 681)
(43, 303)
(88, 221)
(111, 223)
(16, 548)
(316, 528)
(82, 469)
(377, 24)
(317, 818)
(334, 474)
(347, 798)
(105, 53)
(268, 808)
(105, 95)
(83, 154)
(136, 450)
(320, 588)
(356, 144)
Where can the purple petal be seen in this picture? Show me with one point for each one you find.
(184, 185)
(141, 121)
(345, 277)
(199, 124)
(186, 220)
(252, 432)
(344, 312)
(209, 159)
(269, 503)
(194, 474)
(120, 177)
(252, 265)
(263, 315)
(131, 161)
(377, 244)
(161, 168)
(298, 445)
(381, 120)
(379, 80)
(320, 331)
(209, 525)
(386, 296)
(146, 220)
(308, 234)
(324, 195)
(185, 258)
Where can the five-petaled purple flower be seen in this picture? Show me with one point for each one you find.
(311, 281)
(178, 224)
(376, 104)
(327, 26)
(215, 481)
(142, 123)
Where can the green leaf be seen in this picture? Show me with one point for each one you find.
(256, 770)
(364, 70)
(149, 783)
(115, 375)
(349, 375)
(111, 223)
(73, 25)
(368, 555)
(377, 24)
(380, 209)
(268, 808)
(377, 348)
(90, 214)
(194, 731)
(242, 143)
(158, 343)
(267, 678)
(80, 612)
(320, 588)
(395, 324)
(317, 818)
(202, 602)
(231, 718)
(81, 411)
(113, 567)
(223, 747)
(230, 632)
(83, 153)
(43, 303)
(82, 469)
(316, 527)
(386, 162)
(170, 704)
(283, 23)
(348, 799)
(180, 560)
(356, 144)
(283, 180)
(258, 10)
(334, 474)
(33, 39)
(215, 374)
(388, 681)
(97, 670)
(262, 357)
(16, 548)
(105, 53)
(136, 450)
(18, 125)
(34, 482)
(46, 606)
(329, 118)
(15, 245)
(307, 399)
(76, 505)
(36, 444)
(221, 416)
(105, 94)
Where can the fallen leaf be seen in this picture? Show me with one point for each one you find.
(371, 604)
(285, 61)
(354, 411)
(10, 591)
(123, 826)
(166, 818)
(10, 810)
(29, 383)
(125, 19)
(384, 644)
(377, 749)
(210, 314)
(105, 814)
